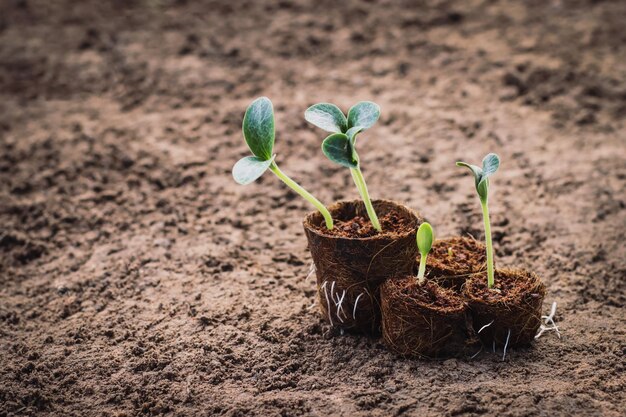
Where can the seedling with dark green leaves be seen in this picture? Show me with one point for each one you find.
(259, 133)
(491, 163)
(340, 146)
(425, 239)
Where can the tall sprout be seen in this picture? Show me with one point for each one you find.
(340, 146)
(259, 133)
(491, 163)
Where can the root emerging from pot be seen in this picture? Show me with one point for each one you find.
(452, 260)
(423, 320)
(512, 306)
(350, 269)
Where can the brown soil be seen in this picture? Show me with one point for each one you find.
(452, 260)
(137, 279)
(509, 313)
(429, 294)
(422, 320)
(349, 270)
(506, 287)
(359, 226)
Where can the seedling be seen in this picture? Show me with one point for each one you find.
(340, 146)
(259, 133)
(491, 163)
(425, 238)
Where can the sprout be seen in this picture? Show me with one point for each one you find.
(425, 238)
(491, 163)
(340, 146)
(258, 131)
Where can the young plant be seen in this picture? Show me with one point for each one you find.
(491, 163)
(425, 238)
(259, 133)
(340, 146)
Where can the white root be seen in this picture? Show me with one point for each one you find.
(311, 272)
(506, 344)
(335, 301)
(356, 302)
(549, 319)
(485, 326)
(340, 304)
(312, 305)
(330, 319)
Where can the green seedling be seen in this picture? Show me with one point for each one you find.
(425, 239)
(259, 133)
(340, 146)
(491, 163)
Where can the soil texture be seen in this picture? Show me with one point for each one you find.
(452, 260)
(136, 278)
(360, 227)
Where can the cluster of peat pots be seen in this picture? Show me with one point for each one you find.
(378, 266)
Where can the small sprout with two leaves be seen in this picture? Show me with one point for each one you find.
(491, 163)
(259, 133)
(340, 146)
(425, 239)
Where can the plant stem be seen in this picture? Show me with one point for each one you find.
(357, 175)
(356, 182)
(422, 269)
(304, 193)
(489, 243)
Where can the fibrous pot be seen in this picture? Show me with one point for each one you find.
(352, 260)
(510, 311)
(424, 320)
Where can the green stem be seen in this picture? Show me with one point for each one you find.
(304, 193)
(422, 269)
(490, 275)
(362, 187)
(356, 182)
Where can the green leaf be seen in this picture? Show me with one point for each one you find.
(483, 189)
(363, 114)
(352, 132)
(258, 128)
(248, 169)
(477, 171)
(491, 163)
(326, 116)
(425, 238)
(337, 148)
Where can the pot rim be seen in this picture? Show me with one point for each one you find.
(392, 235)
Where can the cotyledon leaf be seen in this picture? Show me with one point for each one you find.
(337, 148)
(258, 128)
(327, 116)
(425, 238)
(491, 163)
(363, 114)
(248, 169)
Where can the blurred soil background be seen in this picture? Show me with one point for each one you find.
(136, 278)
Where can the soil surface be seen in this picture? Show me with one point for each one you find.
(456, 256)
(429, 294)
(136, 278)
(506, 287)
(359, 227)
